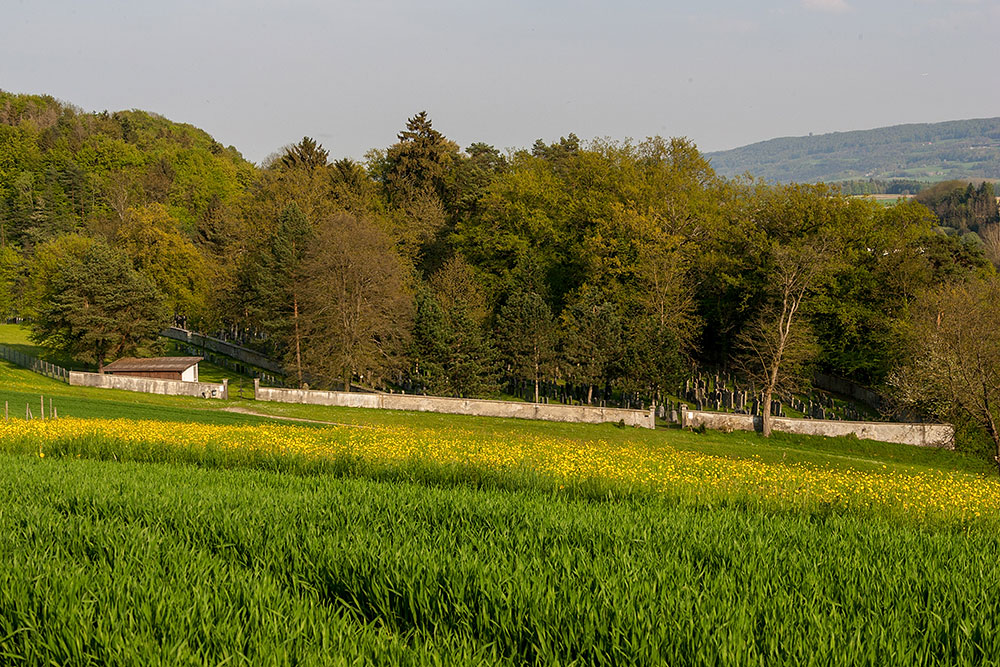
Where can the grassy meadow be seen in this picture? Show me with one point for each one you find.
(141, 529)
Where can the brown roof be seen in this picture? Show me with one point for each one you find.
(154, 364)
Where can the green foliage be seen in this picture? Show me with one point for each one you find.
(451, 351)
(859, 316)
(591, 338)
(10, 270)
(63, 170)
(355, 302)
(961, 205)
(953, 360)
(681, 260)
(952, 258)
(94, 305)
(419, 163)
(307, 154)
(153, 240)
(527, 337)
(874, 186)
(273, 272)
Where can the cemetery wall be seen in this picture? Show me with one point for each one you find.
(848, 388)
(150, 385)
(460, 406)
(226, 348)
(921, 435)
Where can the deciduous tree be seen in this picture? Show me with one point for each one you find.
(953, 365)
(356, 301)
(797, 225)
(152, 238)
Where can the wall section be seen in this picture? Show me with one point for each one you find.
(920, 435)
(150, 385)
(460, 406)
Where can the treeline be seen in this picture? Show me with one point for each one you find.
(962, 206)
(876, 186)
(610, 265)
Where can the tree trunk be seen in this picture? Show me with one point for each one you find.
(991, 428)
(765, 414)
(536, 378)
(298, 350)
(590, 392)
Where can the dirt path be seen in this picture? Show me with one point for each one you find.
(244, 411)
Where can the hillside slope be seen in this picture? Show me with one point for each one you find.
(961, 149)
(63, 169)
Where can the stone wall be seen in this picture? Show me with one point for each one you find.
(150, 386)
(921, 435)
(244, 354)
(459, 406)
(848, 388)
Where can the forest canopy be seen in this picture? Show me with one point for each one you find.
(611, 266)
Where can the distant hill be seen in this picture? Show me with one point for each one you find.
(960, 149)
(62, 169)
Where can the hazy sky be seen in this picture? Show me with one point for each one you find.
(259, 75)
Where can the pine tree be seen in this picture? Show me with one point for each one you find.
(592, 338)
(306, 154)
(96, 306)
(278, 281)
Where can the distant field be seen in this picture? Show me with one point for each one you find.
(885, 200)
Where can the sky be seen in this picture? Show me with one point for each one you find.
(260, 75)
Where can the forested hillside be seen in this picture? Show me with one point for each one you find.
(961, 149)
(608, 267)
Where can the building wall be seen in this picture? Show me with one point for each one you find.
(191, 374)
(155, 375)
(150, 385)
(459, 406)
(921, 435)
